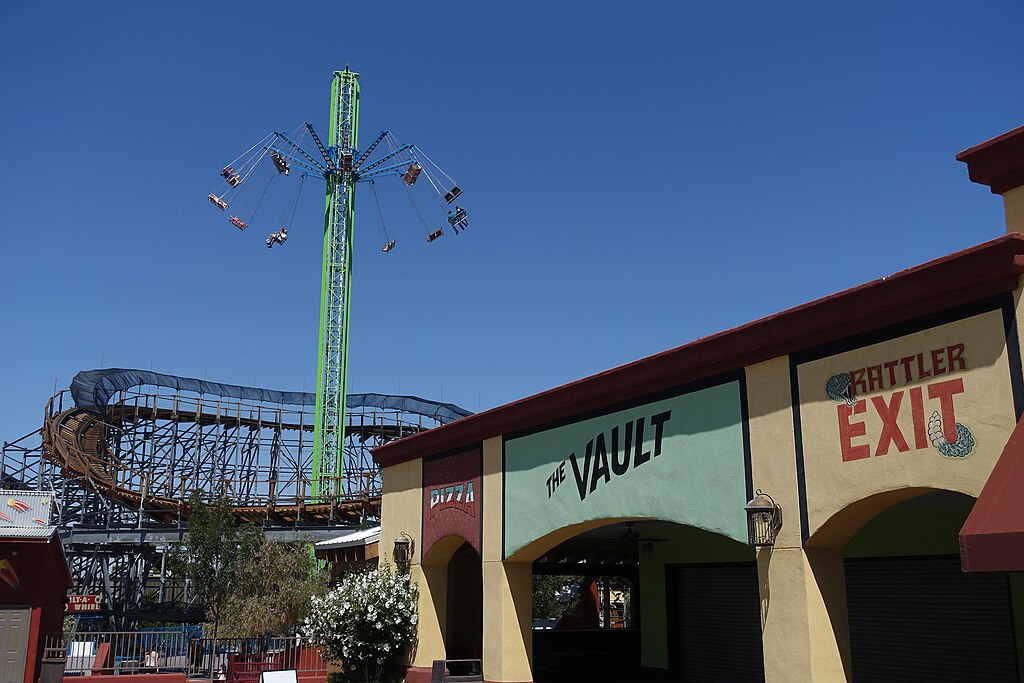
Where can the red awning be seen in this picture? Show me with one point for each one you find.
(992, 539)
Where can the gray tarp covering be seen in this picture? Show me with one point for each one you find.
(92, 389)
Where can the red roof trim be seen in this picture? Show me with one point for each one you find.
(992, 538)
(986, 270)
(997, 163)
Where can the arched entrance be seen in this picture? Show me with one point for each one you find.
(635, 600)
(453, 581)
(912, 613)
(464, 621)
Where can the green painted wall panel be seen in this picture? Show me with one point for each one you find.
(919, 527)
(688, 468)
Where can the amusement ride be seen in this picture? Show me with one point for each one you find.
(341, 164)
(125, 451)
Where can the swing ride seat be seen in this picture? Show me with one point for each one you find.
(388, 247)
(451, 194)
(434, 235)
(227, 172)
(412, 174)
(218, 202)
(459, 217)
(238, 222)
(235, 180)
(280, 163)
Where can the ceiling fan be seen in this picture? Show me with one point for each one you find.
(634, 537)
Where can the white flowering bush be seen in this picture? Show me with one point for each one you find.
(365, 621)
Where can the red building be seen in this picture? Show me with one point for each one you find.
(34, 579)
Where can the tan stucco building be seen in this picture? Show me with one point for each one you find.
(874, 417)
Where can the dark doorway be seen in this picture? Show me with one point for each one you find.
(464, 631)
(715, 622)
(923, 619)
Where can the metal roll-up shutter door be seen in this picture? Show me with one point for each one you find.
(715, 622)
(923, 619)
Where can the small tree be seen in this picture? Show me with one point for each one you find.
(212, 556)
(554, 595)
(274, 590)
(365, 622)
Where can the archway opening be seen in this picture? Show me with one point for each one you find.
(451, 604)
(646, 600)
(464, 609)
(913, 613)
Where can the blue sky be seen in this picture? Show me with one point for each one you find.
(638, 175)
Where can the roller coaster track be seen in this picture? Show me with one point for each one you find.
(76, 441)
(151, 442)
(125, 452)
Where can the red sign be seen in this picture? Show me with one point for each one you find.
(83, 603)
(451, 498)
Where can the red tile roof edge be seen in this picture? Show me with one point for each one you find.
(955, 279)
(997, 163)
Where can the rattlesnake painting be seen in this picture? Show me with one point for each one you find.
(839, 388)
(960, 448)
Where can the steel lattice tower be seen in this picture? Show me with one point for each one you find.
(336, 280)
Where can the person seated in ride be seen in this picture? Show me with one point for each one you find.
(458, 218)
(278, 237)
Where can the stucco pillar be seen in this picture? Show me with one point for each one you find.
(803, 592)
(508, 634)
(432, 610)
(803, 615)
(402, 512)
(508, 603)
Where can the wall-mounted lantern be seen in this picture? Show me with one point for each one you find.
(764, 519)
(403, 552)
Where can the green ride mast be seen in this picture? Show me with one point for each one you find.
(341, 165)
(336, 285)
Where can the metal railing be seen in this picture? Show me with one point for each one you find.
(130, 652)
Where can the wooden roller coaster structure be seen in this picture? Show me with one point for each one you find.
(124, 452)
(151, 449)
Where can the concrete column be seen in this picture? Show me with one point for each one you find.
(508, 602)
(803, 614)
(433, 610)
(402, 511)
(508, 622)
(803, 592)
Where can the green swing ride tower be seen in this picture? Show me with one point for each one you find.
(341, 164)
(336, 282)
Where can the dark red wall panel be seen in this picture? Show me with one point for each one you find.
(452, 492)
